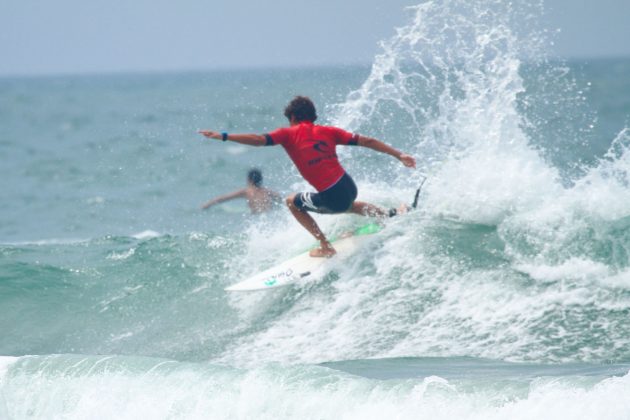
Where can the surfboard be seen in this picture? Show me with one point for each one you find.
(303, 267)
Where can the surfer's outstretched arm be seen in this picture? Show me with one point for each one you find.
(407, 160)
(248, 139)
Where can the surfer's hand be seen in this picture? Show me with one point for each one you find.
(210, 134)
(407, 160)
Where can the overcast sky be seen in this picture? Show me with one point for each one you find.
(79, 36)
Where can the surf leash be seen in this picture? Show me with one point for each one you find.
(415, 199)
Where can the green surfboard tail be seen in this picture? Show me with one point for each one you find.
(368, 229)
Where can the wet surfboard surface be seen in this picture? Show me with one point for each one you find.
(303, 266)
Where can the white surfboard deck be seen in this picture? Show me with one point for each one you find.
(304, 266)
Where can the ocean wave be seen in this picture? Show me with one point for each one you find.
(74, 386)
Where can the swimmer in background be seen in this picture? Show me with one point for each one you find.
(259, 198)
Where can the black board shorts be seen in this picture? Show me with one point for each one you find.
(336, 199)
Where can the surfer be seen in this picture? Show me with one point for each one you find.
(312, 149)
(259, 198)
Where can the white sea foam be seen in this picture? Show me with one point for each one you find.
(97, 200)
(5, 363)
(146, 234)
(108, 388)
(143, 235)
(236, 150)
(118, 256)
(618, 280)
(46, 242)
(574, 268)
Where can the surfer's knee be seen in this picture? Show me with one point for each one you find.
(292, 205)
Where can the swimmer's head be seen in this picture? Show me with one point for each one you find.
(254, 177)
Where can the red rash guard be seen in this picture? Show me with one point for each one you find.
(312, 148)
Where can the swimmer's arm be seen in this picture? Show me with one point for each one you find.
(248, 139)
(407, 160)
(220, 199)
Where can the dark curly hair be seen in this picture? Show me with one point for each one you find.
(255, 177)
(301, 108)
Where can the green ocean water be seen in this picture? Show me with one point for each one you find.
(509, 289)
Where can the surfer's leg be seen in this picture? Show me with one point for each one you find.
(325, 248)
(367, 209)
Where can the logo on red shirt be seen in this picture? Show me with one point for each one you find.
(321, 146)
(325, 152)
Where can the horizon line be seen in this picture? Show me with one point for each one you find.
(239, 68)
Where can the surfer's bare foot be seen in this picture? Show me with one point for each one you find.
(402, 209)
(324, 251)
